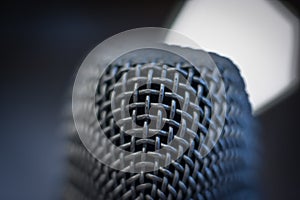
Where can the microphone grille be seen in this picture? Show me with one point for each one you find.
(224, 173)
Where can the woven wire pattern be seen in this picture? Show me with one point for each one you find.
(152, 95)
(222, 174)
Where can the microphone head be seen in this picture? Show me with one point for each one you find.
(154, 102)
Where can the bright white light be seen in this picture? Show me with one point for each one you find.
(260, 37)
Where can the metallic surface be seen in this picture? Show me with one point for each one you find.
(224, 173)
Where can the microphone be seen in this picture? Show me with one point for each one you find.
(144, 101)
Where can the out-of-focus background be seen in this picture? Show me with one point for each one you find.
(42, 46)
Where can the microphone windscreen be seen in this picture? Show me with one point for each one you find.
(225, 172)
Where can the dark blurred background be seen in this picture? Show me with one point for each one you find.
(42, 46)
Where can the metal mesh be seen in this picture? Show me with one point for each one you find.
(223, 174)
(150, 96)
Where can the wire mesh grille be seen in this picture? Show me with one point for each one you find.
(148, 102)
(223, 174)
